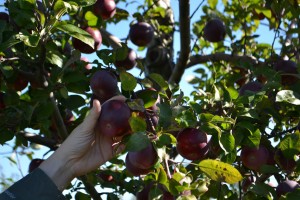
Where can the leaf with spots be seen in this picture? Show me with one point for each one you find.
(220, 171)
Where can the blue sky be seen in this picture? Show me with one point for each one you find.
(8, 169)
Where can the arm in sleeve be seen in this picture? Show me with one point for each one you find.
(36, 185)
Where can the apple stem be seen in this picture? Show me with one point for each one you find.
(166, 159)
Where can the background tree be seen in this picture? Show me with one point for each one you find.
(236, 136)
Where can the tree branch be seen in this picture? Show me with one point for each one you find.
(198, 59)
(39, 140)
(184, 21)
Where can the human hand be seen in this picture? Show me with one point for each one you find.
(83, 151)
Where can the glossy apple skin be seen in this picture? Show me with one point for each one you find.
(114, 119)
(104, 85)
(129, 62)
(214, 30)
(133, 170)
(2, 105)
(192, 144)
(286, 186)
(143, 159)
(251, 87)
(141, 34)
(105, 8)
(287, 67)
(254, 158)
(35, 163)
(83, 47)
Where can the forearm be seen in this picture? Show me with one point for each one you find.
(57, 170)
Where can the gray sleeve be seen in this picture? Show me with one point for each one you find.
(35, 186)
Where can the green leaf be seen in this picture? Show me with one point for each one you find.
(74, 102)
(220, 171)
(212, 3)
(159, 80)
(136, 141)
(9, 43)
(128, 81)
(137, 124)
(91, 18)
(84, 3)
(290, 145)
(55, 59)
(288, 96)
(82, 196)
(29, 40)
(162, 176)
(76, 32)
(227, 142)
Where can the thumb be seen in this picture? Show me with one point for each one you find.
(91, 119)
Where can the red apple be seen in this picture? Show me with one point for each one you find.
(214, 31)
(286, 186)
(254, 158)
(4, 16)
(133, 170)
(192, 144)
(105, 8)
(143, 159)
(129, 62)
(35, 163)
(287, 68)
(141, 33)
(114, 118)
(104, 85)
(253, 87)
(83, 47)
(2, 104)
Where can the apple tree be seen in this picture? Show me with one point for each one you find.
(235, 136)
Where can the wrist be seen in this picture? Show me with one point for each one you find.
(56, 170)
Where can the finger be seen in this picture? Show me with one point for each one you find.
(91, 119)
(119, 148)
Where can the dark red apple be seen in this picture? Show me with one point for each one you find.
(254, 158)
(83, 47)
(286, 186)
(133, 170)
(2, 104)
(141, 34)
(214, 30)
(284, 163)
(129, 62)
(192, 144)
(4, 16)
(253, 87)
(105, 8)
(104, 85)
(247, 182)
(20, 83)
(287, 68)
(35, 163)
(114, 118)
(143, 159)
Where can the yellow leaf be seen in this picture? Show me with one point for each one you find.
(220, 171)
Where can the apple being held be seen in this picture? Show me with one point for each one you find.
(129, 62)
(35, 163)
(214, 30)
(85, 48)
(141, 34)
(114, 118)
(192, 144)
(141, 162)
(286, 186)
(287, 68)
(105, 8)
(104, 85)
(254, 157)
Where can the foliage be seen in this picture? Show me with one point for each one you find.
(36, 45)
